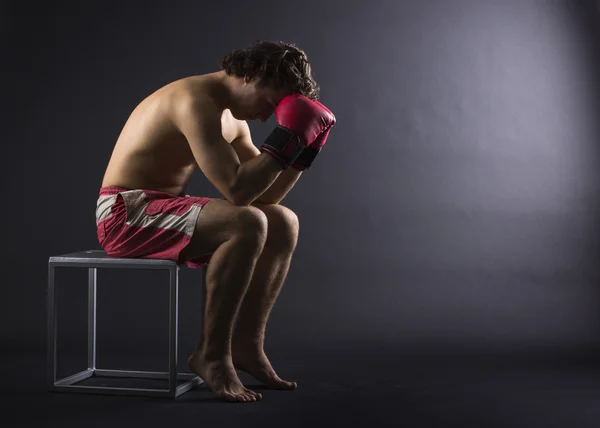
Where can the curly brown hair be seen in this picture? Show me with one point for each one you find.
(275, 64)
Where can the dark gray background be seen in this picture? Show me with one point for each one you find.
(455, 206)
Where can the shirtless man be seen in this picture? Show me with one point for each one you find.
(247, 236)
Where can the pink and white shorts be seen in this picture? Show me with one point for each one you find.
(147, 224)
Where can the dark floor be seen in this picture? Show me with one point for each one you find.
(381, 388)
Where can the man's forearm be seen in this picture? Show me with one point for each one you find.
(280, 187)
(254, 177)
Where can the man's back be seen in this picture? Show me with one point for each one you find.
(151, 152)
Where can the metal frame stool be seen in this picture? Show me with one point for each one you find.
(94, 259)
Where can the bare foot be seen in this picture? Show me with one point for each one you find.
(221, 377)
(256, 363)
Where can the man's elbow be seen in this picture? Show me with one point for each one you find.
(266, 201)
(237, 196)
(240, 200)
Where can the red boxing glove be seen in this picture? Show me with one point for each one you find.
(319, 142)
(301, 121)
(304, 117)
(308, 155)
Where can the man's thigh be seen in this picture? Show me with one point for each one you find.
(218, 222)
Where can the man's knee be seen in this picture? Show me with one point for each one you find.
(252, 222)
(283, 224)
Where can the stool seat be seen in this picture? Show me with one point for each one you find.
(98, 258)
(93, 260)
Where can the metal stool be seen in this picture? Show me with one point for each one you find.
(93, 260)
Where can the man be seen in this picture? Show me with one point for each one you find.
(247, 236)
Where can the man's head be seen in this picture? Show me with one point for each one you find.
(266, 72)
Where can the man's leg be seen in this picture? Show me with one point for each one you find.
(236, 237)
(269, 275)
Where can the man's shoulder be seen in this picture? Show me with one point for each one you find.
(190, 88)
(193, 100)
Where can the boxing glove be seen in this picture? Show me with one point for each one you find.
(300, 121)
(308, 155)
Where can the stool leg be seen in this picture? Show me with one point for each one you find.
(173, 328)
(51, 309)
(92, 277)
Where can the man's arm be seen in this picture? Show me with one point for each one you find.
(280, 188)
(199, 121)
(246, 150)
